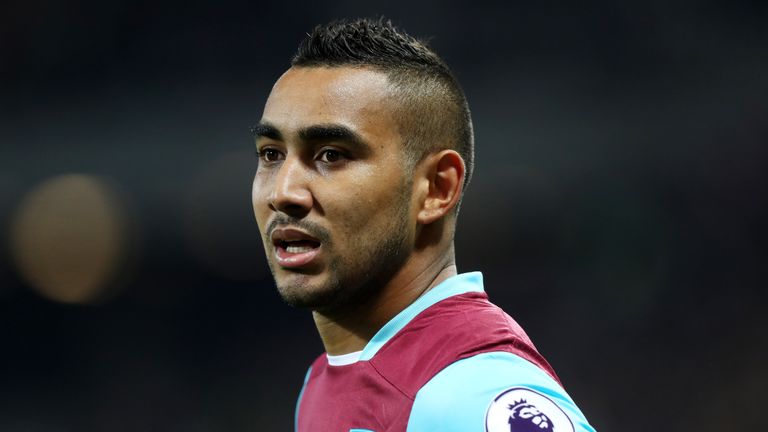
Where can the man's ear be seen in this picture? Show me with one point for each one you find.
(444, 178)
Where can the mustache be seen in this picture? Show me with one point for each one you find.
(310, 228)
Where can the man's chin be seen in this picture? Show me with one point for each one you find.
(307, 292)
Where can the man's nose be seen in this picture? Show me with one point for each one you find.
(291, 193)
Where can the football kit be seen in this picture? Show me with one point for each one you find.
(451, 361)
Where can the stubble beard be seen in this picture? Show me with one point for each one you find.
(352, 284)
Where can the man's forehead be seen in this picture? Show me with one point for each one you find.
(329, 94)
(341, 81)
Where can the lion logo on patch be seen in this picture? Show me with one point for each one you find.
(525, 417)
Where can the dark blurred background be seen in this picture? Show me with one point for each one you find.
(618, 209)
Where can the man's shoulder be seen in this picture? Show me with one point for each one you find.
(493, 391)
(455, 328)
(469, 317)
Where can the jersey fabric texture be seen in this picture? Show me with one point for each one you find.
(451, 361)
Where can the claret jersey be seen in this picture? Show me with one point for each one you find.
(451, 361)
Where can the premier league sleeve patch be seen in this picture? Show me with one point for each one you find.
(521, 409)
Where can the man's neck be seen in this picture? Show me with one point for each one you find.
(351, 331)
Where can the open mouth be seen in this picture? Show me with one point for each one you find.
(294, 248)
(297, 246)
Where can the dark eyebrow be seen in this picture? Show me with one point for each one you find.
(333, 132)
(266, 130)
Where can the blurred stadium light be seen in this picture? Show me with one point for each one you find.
(69, 238)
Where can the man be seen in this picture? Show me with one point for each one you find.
(365, 147)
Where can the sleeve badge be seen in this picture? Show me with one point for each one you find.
(521, 409)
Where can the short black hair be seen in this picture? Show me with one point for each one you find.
(432, 109)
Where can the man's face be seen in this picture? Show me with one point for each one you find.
(332, 191)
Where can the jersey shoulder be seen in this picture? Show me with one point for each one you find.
(458, 327)
(495, 391)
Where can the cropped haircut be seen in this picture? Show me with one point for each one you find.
(431, 108)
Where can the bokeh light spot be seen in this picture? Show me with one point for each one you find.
(68, 238)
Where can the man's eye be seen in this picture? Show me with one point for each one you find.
(330, 156)
(269, 155)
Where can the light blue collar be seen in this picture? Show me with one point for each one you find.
(455, 285)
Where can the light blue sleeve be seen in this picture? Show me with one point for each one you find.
(491, 392)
